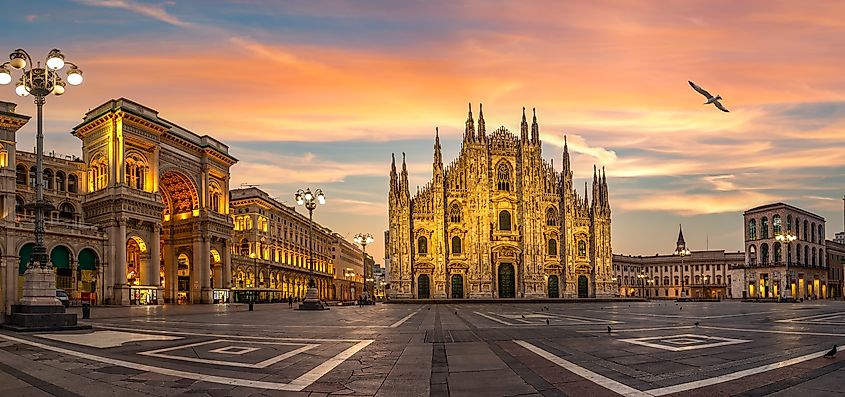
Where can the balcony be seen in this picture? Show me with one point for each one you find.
(61, 227)
(755, 265)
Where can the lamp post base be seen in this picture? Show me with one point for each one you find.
(312, 301)
(39, 309)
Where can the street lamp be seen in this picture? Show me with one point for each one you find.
(786, 238)
(364, 239)
(682, 252)
(40, 81)
(310, 201)
(641, 276)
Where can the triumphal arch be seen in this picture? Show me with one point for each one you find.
(159, 192)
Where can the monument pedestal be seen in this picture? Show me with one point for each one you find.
(39, 309)
(312, 302)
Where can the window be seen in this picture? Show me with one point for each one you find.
(798, 253)
(776, 223)
(60, 181)
(552, 247)
(797, 228)
(752, 254)
(551, 217)
(66, 211)
(503, 177)
(806, 225)
(98, 174)
(504, 220)
(71, 183)
(813, 232)
(455, 213)
(456, 245)
(807, 254)
(582, 248)
(20, 174)
(814, 256)
(48, 179)
(32, 177)
(19, 205)
(764, 253)
(764, 227)
(136, 171)
(789, 223)
(422, 245)
(244, 247)
(821, 234)
(777, 253)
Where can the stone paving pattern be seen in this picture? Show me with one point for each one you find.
(448, 350)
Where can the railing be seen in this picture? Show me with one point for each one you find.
(778, 264)
(28, 222)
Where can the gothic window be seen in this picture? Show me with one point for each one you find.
(503, 177)
(776, 223)
(48, 179)
(582, 248)
(71, 183)
(60, 181)
(551, 217)
(752, 229)
(456, 245)
(422, 245)
(244, 247)
(504, 220)
(764, 227)
(789, 223)
(552, 247)
(455, 213)
(20, 174)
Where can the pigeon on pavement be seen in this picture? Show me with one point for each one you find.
(831, 353)
(608, 329)
(710, 98)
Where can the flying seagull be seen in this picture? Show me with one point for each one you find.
(710, 98)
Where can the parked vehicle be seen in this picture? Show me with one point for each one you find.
(63, 298)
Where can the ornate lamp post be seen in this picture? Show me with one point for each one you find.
(364, 239)
(682, 252)
(310, 201)
(40, 81)
(787, 238)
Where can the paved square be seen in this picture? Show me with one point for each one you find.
(686, 342)
(468, 349)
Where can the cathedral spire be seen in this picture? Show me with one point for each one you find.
(604, 196)
(535, 128)
(681, 244)
(482, 129)
(438, 157)
(565, 155)
(469, 132)
(524, 127)
(393, 177)
(596, 192)
(403, 180)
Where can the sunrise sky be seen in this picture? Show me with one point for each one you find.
(320, 93)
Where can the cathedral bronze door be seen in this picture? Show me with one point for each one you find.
(457, 286)
(553, 287)
(423, 287)
(506, 281)
(583, 289)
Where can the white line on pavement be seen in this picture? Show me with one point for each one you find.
(600, 380)
(296, 385)
(403, 319)
(155, 331)
(638, 329)
(816, 318)
(772, 331)
(493, 318)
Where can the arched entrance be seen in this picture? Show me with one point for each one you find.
(423, 288)
(86, 274)
(507, 284)
(457, 286)
(183, 274)
(136, 257)
(60, 258)
(583, 288)
(554, 289)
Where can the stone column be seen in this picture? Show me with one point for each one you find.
(203, 264)
(120, 295)
(154, 264)
(226, 265)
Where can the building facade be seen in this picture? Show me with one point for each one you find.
(272, 245)
(701, 274)
(499, 221)
(348, 260)
(145, 217)
(768, 253)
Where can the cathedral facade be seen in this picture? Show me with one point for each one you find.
(498, 222)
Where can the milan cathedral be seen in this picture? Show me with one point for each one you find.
(499, 222)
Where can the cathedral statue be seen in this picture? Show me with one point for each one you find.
(498, 222)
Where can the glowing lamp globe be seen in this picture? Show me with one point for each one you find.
(21, 90)
(321, 198)
(74, 76)
(59, 88)
(55, 60)
(17, 62)
(5, 76)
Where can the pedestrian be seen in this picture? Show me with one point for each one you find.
(290, 301)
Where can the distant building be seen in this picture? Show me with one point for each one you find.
(839, 237)
(768, 255)
(699, 274)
